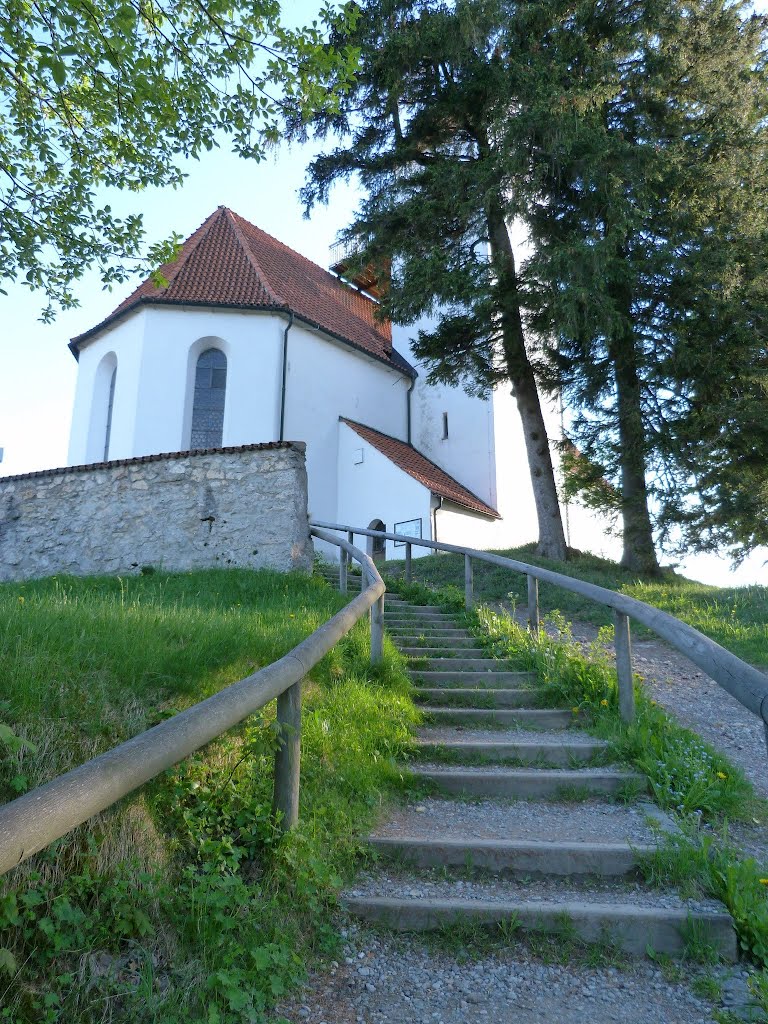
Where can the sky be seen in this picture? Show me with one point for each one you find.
(37, 378)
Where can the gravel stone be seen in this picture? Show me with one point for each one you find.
(415, 983)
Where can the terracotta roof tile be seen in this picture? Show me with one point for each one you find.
(230, 262)
(412, 462)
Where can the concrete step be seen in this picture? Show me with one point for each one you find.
(632, 928)
(536, 718)
(467, 662)
(409, 627)
(532, 751)
(469, 680)
(478, 697)
(514, 857)
(527, 783)
(434, 642)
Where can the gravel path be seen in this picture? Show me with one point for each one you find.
(583, 821)
(385, 979)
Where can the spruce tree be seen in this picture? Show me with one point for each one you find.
(630, 141)
(420, 129)
(648, 212)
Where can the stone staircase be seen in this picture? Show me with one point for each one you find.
(526, 822)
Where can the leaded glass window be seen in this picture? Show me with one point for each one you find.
(110, 403)
(208, 406)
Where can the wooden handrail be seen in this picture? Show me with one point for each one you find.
(744, 682)
(31, 822)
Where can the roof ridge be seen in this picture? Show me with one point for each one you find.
(251, 256)
(185, 253)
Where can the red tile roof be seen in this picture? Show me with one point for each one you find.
(230, 262)
(421, 468)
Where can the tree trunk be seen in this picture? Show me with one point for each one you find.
(551, 534)
(639, 550)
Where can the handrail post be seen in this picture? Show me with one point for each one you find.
(533, 604)
(623, 642)
(351, 536)
(469, 596)
(285, 802)
(408, 574)
(342, 571)
(377, 630)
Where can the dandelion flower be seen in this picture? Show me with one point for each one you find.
(722, 775)
(603, 703)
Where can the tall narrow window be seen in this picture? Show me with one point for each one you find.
(445, 426)
(208, 406)
(110, 403)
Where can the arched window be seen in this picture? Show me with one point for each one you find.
(208, 406)
(110, 404)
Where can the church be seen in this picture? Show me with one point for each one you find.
(247, 341)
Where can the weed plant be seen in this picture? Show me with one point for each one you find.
(183, 903)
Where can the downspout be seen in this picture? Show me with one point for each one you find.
(434, 516)
(408, 393)
(288, 326)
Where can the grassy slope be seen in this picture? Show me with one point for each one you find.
(182, 903)
(736, 617)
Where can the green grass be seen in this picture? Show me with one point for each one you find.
(183, 903)
(736, 617)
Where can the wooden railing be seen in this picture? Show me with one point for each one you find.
(31, 822)
(744, 682)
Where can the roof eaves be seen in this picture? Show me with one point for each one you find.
(400, 362)
(492, 513)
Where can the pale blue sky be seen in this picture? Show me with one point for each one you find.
(37, 379)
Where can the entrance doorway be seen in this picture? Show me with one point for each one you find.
(377, 546)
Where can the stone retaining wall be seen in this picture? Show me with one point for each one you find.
(242, 506)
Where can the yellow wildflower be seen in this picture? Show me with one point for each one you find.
(21, 600)
(575, 711)
(763, 881)
(722, 775)
(603, 703)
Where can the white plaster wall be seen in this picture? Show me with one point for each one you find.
(468, 452)
(326, 380)
(376, 489)
(174, 339)
(86, 439)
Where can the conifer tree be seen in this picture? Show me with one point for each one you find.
(630, 140)
(420, 130)
(649, 219)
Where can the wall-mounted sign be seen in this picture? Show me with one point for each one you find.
(410, 528)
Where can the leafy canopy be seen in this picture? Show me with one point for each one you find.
(112, 92)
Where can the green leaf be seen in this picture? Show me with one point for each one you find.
(7, 961)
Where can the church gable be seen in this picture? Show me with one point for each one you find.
(230, 263)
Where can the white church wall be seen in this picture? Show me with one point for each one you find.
(326, 380)
(124, 344)
(372, 487)
(174, 340)
(468, 451)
